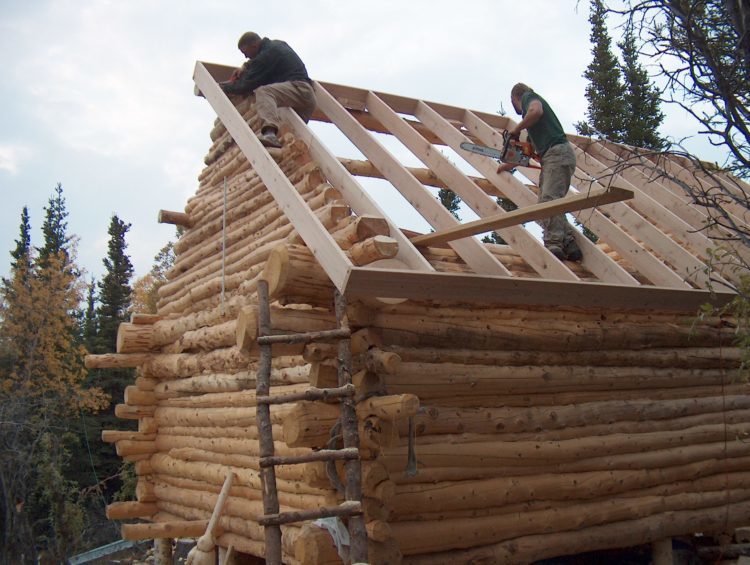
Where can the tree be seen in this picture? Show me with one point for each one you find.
(605, 91)
(113, 309)
(450, 200)
(114, 288)
(146, 288)
(41, 391)
(56, 239)
(643, 116)
(89, 326)
(702, 53)
(22, 253)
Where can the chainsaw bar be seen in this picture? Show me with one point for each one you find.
(511, 154)
(490, 152)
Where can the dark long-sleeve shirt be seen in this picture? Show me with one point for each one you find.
(275, 62)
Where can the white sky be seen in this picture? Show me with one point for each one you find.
(98, 94)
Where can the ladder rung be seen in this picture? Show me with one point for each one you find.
(313, 393)
(308, 337)
(348, 508)
(321, 455)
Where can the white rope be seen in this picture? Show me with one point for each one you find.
(223, 245)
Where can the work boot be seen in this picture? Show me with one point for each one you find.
(557, 251)
(269, 139)
(572, 251)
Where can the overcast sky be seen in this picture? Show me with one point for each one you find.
(98, 94)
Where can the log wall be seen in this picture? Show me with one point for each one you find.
(534, 433)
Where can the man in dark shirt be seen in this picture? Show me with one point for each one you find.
(558, 165)
(277, 77)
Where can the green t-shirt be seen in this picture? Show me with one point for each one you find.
(547, 131)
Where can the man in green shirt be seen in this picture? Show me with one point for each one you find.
(558, 165)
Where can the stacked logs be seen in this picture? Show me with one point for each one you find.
(488, 434)
(194, 395)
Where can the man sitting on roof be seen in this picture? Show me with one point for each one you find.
(558, 165)
(278, 77)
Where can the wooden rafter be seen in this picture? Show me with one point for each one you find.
(472, 251)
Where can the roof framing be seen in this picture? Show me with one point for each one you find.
(657, 233)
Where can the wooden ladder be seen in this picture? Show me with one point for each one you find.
(352, 506)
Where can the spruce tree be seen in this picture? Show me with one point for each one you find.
(22, 253)
(605, 92)
(114, 308)
(114, 288)
(54, 229)
(89, 325)
(641, 99)
(450, 200)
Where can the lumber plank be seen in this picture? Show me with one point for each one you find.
(526, 214)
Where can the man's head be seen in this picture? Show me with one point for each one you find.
(516, 93)
(249, 44)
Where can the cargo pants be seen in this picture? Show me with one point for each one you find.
(297, 95)
(558, 166)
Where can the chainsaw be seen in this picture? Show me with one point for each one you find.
(514, 152)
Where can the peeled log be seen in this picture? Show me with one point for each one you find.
(135, 338)
(283, 320)
(361, 228)
(175, 218)
(186, 529)
(528, 549)
(116, 360)
(293, 275)
(129, 510)
(134, 396)
(389, 408)
(305, 422)
(373, 249)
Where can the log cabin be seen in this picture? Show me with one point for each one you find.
(507, 406)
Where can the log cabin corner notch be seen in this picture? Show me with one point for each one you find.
(548, 408)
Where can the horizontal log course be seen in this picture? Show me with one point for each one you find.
(129, 510)
(313, 546)
(248, 480)
(424, 537)
(177, 365)
(126, 447)
(127, 412)
(457, 420)
(175, 218)
(186, 529)
(677, 357)
(284, 320)
(111, 436)
(532, 548)
(115, 360)
(435, 380)
(552, 335)
(547, 453)
(184, 391)
(414, 501)
(223, 445)
(211, 416)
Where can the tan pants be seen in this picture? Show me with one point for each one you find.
(297, 95)
(558, 166)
